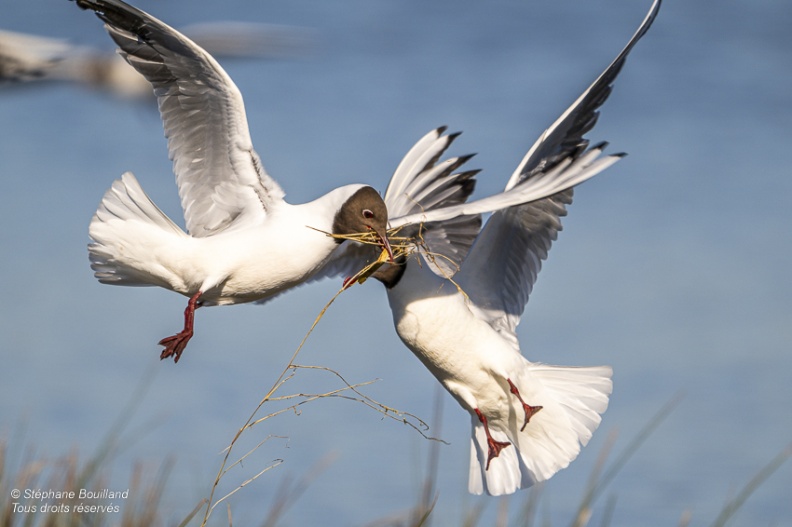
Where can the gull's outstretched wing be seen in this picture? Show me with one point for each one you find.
(422, 181)
(568, 172)
(502, 266)
(220, 177)
(565, 136)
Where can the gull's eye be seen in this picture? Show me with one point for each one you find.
(367, 214)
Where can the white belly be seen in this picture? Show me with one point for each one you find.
(465, 354)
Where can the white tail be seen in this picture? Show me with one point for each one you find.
(572, 400)
(127, 229)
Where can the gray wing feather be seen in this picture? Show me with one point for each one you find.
(565, 135)
(567, 173)
(503, 264)
(423, 182)
(220, 177)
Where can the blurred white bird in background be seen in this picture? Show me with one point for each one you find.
(28, 60)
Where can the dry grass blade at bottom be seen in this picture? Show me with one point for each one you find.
(69, 473)
(288, 493)
(242, 458)
(607, 515)
(473, 515)
(146, 511)
(530, 508)
(288, 373)
(749, 488)
(242, 485)
(282, 378)
(193, 513)
(599, 480)
(419, 514)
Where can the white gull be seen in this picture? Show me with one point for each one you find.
(246, 243)
(529, 420)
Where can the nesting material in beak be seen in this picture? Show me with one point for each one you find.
(386, 247)
(403, 246)
(363, 275)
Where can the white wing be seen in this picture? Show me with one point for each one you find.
(501, 268)
(547, 168)
(567, 173)
(220, 177)
(422, 181)
(566, 134)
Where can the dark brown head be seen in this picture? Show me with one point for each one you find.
(364, 211)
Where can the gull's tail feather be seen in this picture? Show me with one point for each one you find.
(572, 400)
(128, 231)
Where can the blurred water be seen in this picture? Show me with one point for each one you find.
(673, 266)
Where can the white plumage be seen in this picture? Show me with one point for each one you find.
(457, 301)
(244, 242)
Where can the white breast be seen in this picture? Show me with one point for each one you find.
(434, 321)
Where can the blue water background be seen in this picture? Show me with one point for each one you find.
(673, 266)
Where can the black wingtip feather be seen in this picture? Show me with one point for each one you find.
(452, 137)
(465, 158)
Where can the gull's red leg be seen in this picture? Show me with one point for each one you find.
(174, 345)
(494, 447)
(529, 410)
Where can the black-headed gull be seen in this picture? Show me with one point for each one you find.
(245, 243)
(31, 59)
(529, 419)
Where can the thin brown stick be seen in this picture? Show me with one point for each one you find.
(286, 375)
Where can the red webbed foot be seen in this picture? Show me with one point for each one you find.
(529, 410)
(493, 447)
(174, 345)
